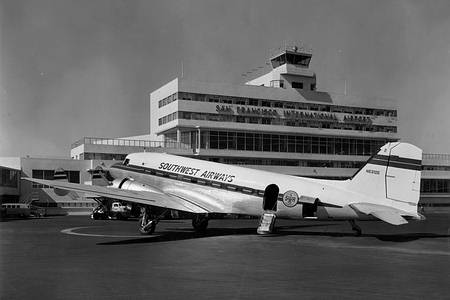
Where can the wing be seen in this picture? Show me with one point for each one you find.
(385, 213)
(143, 197)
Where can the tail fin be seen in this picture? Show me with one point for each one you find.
(392, 174)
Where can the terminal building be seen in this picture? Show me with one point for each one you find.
(277, 121)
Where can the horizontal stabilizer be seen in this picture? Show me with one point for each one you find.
(390, 217)
(385, 213)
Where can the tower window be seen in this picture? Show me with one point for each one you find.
(313, 86)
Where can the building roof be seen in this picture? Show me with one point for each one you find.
(10, 162)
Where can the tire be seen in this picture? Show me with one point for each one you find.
(200, 223)
(149, 230)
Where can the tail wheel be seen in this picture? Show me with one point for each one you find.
(200, 222)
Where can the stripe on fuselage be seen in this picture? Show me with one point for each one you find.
(194, 180)
(396, 162)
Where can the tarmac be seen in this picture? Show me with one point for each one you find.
(75, 257)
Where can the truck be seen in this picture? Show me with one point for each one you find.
(119, 211)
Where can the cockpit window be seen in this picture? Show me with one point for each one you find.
(126, 161)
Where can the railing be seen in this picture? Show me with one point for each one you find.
(129, 143)
(177, 145)
(433, 156)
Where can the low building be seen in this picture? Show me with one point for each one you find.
(13, 189)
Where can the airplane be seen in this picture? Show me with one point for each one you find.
(386, 188)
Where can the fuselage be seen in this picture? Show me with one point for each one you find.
(233, 189)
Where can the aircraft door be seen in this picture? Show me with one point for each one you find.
(271, 197)
(267, 221)
(309, 210)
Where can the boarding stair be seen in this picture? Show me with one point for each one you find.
(266, 222)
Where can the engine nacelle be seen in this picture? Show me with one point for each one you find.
(61, 192)
(60, 175)
(131, 185)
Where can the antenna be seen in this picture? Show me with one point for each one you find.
(182, 71)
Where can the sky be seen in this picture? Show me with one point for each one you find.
(70, 69)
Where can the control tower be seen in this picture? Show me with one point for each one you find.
(290, 69)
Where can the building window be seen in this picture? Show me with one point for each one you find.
(297, 85)
(278, 104)
(168, 118)
(295, 144)
(313, 86)
(167, 100)
(9, 178)
(72, 176)
(303, 106)
(240, 119)
(265, 103)
(437, 186)
(292, 117)
(253, 102)
(42, 174)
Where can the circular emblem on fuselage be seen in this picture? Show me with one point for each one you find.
(290, 198)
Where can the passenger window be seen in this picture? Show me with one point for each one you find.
(247, 190)
(216, 184)
(231, 187)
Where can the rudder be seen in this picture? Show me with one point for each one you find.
(393, 174)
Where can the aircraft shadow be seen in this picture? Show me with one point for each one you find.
(185, 233)
(12, 219)
(399, 238)
(409, 237)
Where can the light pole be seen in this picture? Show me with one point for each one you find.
(198, 140)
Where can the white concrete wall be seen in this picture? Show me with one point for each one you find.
(264, 79)
(10, 162)
(307, 81)
(77, 151)
(164, 91)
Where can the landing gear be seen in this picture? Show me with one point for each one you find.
(147, 224)
(148, 221)
(355, 228)
(200, 222)
(100, 213)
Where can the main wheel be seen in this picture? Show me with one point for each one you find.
(146, 227)
(200, 222)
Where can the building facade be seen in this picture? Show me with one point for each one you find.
(276, 121)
